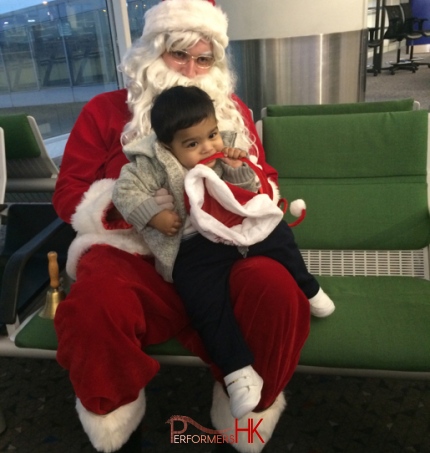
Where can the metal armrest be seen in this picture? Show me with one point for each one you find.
(31, 185)
(15, 266)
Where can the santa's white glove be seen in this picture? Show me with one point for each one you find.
(163, 198)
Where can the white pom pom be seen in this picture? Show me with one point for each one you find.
(296, 207)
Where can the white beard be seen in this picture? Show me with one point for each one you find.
(217, 83)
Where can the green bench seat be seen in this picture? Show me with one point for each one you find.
(348, 339)
(380, 324)
(39, 333)
(366, 234)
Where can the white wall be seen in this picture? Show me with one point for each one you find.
(265, 19)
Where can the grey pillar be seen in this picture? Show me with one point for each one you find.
(304, 52)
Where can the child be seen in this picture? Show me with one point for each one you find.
(186, 132)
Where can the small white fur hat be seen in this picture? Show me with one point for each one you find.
(180, 15)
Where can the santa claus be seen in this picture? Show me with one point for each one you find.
(118, 303)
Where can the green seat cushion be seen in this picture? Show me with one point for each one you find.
(19, 138)
(334, 109)
(380, 323)
(39, 333)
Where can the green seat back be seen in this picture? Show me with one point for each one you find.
(19, 137)
(357, 174)
(335, 109)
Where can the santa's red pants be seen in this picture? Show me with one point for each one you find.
(119, 304)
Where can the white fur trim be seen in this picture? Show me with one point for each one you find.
(90, 211)
(296, 207)
(179, 15)
(88, 222)
(127, 242)
(261, 215)
(109, 432)
(222, 419)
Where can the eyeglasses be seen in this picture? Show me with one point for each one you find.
(183, 57)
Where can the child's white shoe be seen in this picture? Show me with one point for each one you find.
(321, 304)
(244, 389)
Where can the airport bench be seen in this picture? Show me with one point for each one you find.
(364, 178)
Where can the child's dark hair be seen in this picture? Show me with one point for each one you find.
(179, 108)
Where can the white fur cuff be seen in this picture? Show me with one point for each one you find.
(90, 212)
(88, 223)
(109, 432)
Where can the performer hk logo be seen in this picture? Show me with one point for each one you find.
(179, 425)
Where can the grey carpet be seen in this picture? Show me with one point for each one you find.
(324, 414)
(403, 84)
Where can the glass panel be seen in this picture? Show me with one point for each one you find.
(4, 84)
(17, 58)
(54, 56)
(136, 10)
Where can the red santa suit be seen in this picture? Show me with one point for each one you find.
(119, 304)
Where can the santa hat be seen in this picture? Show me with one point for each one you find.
(202, 16)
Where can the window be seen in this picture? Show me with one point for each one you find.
(136, 11)
(54, 56)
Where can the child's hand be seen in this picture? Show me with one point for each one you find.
(232, 156)
(166, 222)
